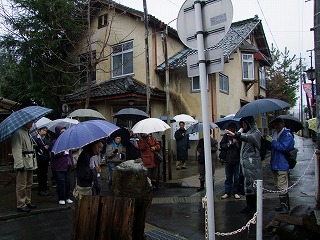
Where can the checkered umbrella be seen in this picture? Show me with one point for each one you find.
(19, 118)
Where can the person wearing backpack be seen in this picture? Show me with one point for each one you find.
(250, 159)
(281, 142)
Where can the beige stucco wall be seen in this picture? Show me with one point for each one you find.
(121, 28)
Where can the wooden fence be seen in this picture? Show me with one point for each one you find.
(98, 217)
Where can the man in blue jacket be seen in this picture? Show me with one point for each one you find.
(282, 141)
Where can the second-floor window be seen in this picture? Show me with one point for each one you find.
(195, 84)
(262, 77)
(84, 68)
(223, 83)
(122, 59)
(247, 67)
(103, 20)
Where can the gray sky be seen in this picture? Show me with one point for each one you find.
(286, 23)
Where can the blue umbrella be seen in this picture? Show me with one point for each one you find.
(19, 118)
(82, 134)
(198, 127)
(224, 122)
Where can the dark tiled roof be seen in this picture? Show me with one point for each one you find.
(115, 88)
(237, 34)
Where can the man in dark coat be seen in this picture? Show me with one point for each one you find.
(183, 144)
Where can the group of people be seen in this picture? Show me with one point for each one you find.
(241, 147)
(240, 150)
(34, 154)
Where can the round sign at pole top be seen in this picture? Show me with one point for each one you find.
(216, 19)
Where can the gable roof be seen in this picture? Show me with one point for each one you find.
(115, 89)
(234, 39)
(153, 21)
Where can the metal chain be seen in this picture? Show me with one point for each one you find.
(294, 184)
(205, 206)
(253, 220)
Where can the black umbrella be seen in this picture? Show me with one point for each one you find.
(291, 122)
(224, 122)
(123, 133)
(261, 106)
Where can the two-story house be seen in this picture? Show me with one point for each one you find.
(246, 54)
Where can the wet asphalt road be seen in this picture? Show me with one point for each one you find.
(179, 209)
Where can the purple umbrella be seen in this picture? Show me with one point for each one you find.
(83, 134)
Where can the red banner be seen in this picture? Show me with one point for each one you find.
(308, 89)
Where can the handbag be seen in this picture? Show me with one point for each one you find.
(291, 157)
(158, 158)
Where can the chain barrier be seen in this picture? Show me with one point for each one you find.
(294, 184)
(253, 220)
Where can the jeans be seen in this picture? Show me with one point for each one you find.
(63, 184)
(111, 166)
(232, 177)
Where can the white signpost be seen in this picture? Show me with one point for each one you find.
(200, 25)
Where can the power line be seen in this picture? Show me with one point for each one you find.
(274, 40)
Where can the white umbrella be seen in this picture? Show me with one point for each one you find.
(42, 122)
(150, 125)
(184, 118)
(64, 122)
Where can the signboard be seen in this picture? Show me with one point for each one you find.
(214, 63)
(216, 18)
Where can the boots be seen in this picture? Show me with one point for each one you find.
(251, 204)
(284, 203)
(201, 186)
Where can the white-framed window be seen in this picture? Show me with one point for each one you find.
(224, 83)
(262, 77)
(195, 84)
(84, 67)
(247, 67)
(122, 59)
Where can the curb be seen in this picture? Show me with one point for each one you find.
(32, 213)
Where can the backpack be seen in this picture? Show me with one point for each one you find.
(291, 157)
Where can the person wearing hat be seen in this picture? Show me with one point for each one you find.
(183, 144)
(231, 146)
(281, 141)
(43, 159)
(250, 160)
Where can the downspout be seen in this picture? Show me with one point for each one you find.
(155, 48)
(213, 96)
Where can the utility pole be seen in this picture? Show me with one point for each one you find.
(301, 99)
(146, 42)
(316, 22)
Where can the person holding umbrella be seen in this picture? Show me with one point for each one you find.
(250, 160)
(183, 144)
(61, 164)
(231, 147)
(148, 145)
(281, 141)
(24, 163)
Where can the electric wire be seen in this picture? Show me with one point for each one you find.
(274, 40)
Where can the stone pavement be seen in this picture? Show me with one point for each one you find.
(176, 211)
